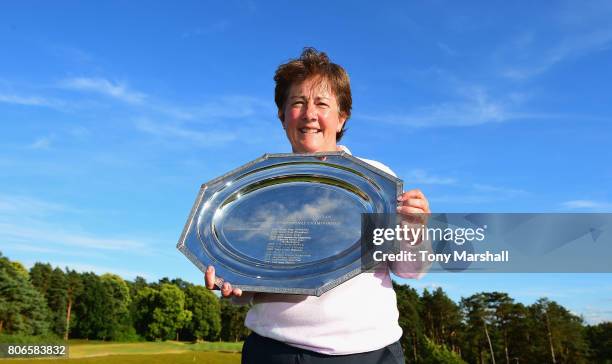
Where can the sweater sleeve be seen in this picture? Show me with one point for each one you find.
(412, 269)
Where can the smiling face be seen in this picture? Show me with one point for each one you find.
(312, 117)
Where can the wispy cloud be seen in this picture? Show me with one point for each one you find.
(570, 47)
(30, 248)
(219, 26)
(79, 132)
(421, 176)
(223, 107)
(574, 30)
(16, 99)
(170, 130)
(480, 194)
(25, 206)
(535, 293)
(215, 122)
(71, 53)
(43, 234)
(474, 107)
(105, 87)
(594, 315)
(509, 192)
(41, 143)
(208, 110)
(446, 49)
(201, 123)
(25, 219)
(586, 205)
(465, 199)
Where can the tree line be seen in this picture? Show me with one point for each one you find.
(487, 327)
(490, 327)
(72, 305)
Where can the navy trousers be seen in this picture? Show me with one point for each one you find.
(262, 350)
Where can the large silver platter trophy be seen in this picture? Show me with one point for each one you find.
(287, 223)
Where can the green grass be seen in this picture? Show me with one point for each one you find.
(209, 357)
(85, 351)
(25, 339)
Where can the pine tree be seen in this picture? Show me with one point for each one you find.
(40, 276)
(564, 332)
(409, 306)
(479, 347)
(74, 287)
(57, 300)
(23, 309)
(90, 309)
(599, 338)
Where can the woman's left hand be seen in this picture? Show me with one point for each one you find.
(413, 204)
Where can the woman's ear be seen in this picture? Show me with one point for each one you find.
(281, 117)
(341, 121)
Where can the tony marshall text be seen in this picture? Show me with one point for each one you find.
(427, 256)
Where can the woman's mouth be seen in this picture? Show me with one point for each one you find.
(309, 130)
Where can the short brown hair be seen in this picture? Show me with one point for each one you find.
(314, 63)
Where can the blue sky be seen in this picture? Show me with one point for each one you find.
(112, 114)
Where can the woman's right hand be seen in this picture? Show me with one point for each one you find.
(226, 287)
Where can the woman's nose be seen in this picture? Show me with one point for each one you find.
(311, 111)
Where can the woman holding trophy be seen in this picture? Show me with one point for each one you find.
(356, 322)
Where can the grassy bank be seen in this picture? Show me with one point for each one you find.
(209, 357)
(82, 351)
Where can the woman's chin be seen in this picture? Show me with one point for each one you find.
(309, 148)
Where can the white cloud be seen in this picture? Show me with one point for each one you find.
(536, 293)
(169, 130)
(182, 117)
(594, 315)
(480, 194)
(30, 248)
(41, 143)
(44, 234)
(574, 30)
(27, 206)
(474, 107)
(30, 100)
(571, 47)
(446, 49)
(465, 199)
(215, 122)
(508, 192)
(203, 124)
(70, 53)
(27, 220)
(105, 87)
(219, 26)
(421, 176)
(586, 204)
(225, 107)
(79, 132)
